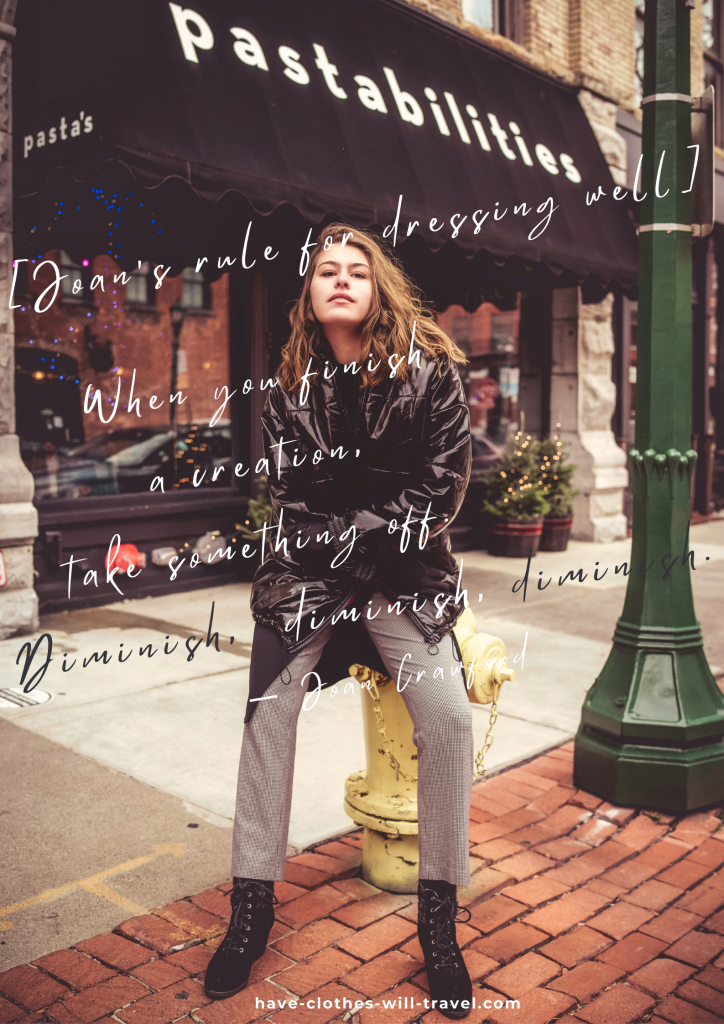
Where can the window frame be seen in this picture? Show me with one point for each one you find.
(148, 275)
(206, 307)
(84, 297)
(511, 20)
(508, 20)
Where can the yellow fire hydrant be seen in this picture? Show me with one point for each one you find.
(383, 797)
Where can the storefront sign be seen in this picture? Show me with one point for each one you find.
(386, 116)
(486, 393)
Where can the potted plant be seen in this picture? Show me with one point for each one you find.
(556, 475)
(258, 512)
(514, 503)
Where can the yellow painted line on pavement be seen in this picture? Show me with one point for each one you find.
(99, 888)
(96, 885)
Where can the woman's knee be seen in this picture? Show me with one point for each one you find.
(461, 716)
(450, 722)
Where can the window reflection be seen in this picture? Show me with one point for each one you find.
(126, 461)
(72, 273)
(195, 291)
(489, 338)
(139, 290)
(92, 344)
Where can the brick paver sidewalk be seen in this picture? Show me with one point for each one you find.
(581, 911)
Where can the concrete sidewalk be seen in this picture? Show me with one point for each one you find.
(580, 911)
(129, 756)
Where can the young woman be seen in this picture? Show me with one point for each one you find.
(367, 438)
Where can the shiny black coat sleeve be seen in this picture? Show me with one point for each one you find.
(286, 489)
(446, 461)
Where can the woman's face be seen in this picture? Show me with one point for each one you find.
(341, 289)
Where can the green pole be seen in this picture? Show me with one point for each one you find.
(652, 723)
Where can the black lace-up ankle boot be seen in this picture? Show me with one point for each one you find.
(450, 987)
(252, 917)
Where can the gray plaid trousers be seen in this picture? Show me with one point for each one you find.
(443, 733)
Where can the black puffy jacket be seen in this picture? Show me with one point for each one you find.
(410, 449)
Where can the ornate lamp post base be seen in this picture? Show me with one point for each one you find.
(652, 725)
(666, 778)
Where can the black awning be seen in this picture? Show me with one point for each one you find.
(329, 105)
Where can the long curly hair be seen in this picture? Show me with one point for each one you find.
(396, 306)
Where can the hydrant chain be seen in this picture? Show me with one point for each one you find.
(382, 728)
(479, 771)
(480, 756)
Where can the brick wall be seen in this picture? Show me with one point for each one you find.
(601, 45)
(448, 10)
(585, 42)
(547, 34)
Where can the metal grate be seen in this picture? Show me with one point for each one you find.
(14, 697)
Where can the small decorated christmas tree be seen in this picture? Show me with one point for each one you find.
(258, 512)
(513, 487)
(556, 475)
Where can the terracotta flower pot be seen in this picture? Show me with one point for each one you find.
(514, 538)
(556, 533)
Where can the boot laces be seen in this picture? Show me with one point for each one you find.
(245, 898)
(444, 913)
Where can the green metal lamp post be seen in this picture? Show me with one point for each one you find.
(652, 723)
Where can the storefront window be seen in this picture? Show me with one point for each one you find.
(196, 294)
(73, 352)
(489, 338)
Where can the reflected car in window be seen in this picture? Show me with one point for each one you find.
(485, 454)
(127, 461)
